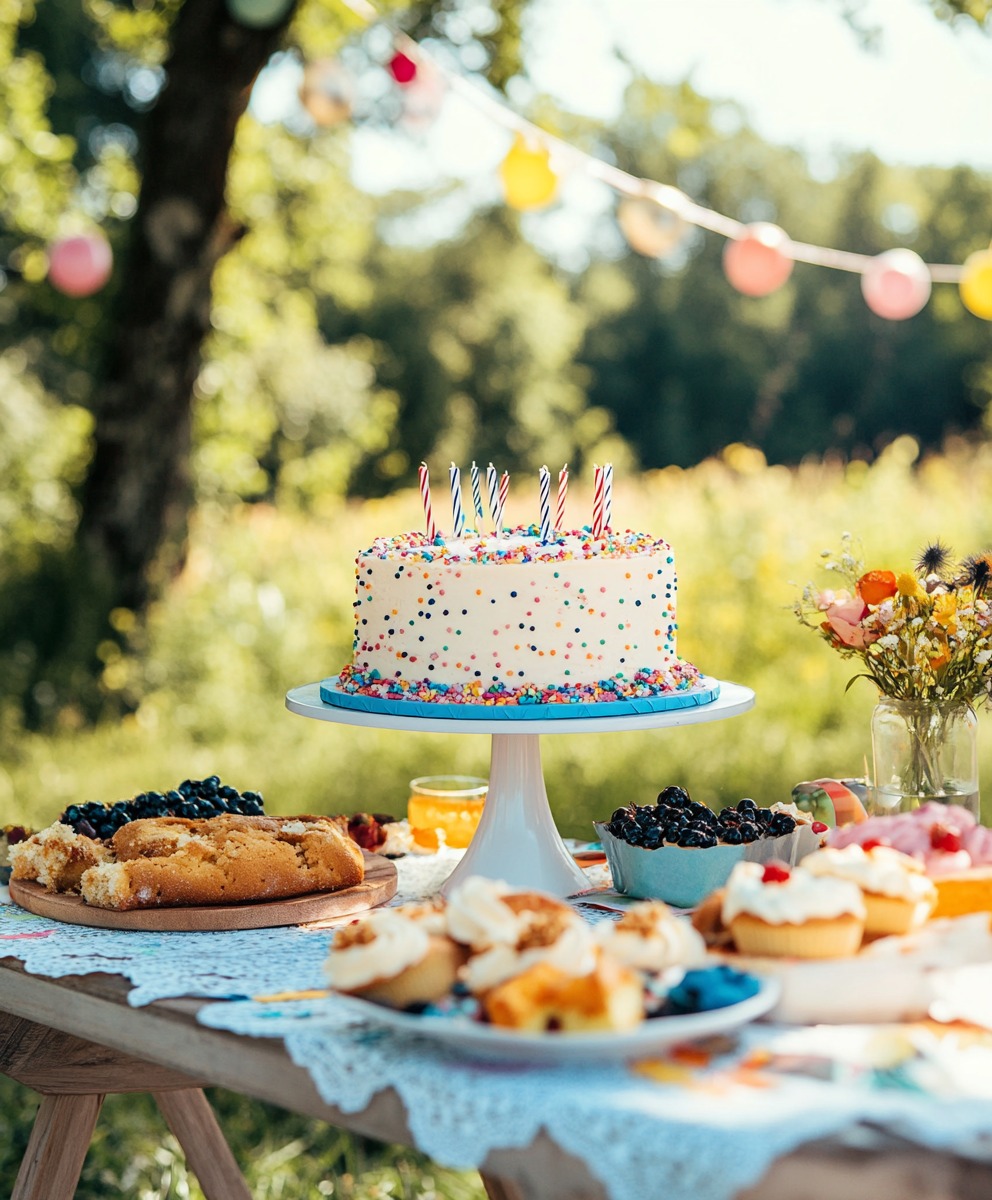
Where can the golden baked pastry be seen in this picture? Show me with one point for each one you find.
(546, 998)
(55, 857)
(173, 860)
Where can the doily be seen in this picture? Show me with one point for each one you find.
(660, 1129)
(217, 965)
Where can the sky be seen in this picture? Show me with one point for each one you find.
(925, 95)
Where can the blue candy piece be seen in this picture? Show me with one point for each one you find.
(712, 987)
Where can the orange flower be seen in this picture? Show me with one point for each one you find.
(876, 586)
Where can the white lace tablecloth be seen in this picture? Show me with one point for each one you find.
(691, 1124)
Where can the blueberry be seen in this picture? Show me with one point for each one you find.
(693, 838)
(674, 795)
(86, 829)
(71, 815)
(647, 818)
(187, 787)
(228, 793)
(212, 782)
(256, 797)
(732, 836)
(749, 831)
(175, 797)
(652, 838)
(781, 824)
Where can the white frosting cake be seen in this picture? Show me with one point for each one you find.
(515, 619)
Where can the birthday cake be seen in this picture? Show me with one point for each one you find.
(515, 618)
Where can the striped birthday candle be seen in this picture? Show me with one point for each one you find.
(544, 478)
(425, 496)
(457, 512)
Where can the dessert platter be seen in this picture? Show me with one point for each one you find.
(488, 1041)
(513, 634)
(519, 974)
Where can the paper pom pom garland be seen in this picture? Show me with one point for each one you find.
(526, 175)
(976, 284)
(259, 14)
(402, 68)
(327, 92)
(649, 227)
(757, 262)
(79, 266)
(896, 284)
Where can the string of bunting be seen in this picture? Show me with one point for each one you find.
(758, 257)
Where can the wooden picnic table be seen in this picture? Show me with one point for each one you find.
(76, 1039)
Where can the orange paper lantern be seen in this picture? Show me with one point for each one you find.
(649, 227)
(757, 262)
(526, 175)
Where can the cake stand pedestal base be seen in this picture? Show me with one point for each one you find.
(517, 840)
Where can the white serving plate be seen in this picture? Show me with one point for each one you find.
(487, 1041)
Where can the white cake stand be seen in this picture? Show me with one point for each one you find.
(517, 839)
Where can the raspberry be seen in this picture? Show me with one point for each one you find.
(775, 872)
(871, 843)
(946, 838)
(819, 827)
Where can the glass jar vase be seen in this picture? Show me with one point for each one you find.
(923, 750)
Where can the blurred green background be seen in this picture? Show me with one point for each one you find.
(192, 456)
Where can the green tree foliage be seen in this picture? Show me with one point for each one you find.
(338, 353)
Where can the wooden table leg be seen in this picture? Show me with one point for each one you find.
(191, 1119)
(57, 1147)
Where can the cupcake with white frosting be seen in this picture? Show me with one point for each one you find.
(898, 895)
(772, 909)
(650, 938)
(399, 957)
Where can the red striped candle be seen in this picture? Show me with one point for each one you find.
(562, 493)
(504, 491)
(597, 501)
(425, 495)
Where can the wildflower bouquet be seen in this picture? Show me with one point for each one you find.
(923, 634)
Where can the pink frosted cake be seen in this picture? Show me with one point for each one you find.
(516, 620)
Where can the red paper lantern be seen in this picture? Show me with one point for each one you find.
(402, 68)
(896, 284)
(757, 262)
(79, 266)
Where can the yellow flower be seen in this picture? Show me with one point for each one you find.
(945, 609)
(909, 587)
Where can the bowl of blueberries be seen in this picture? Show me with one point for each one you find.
(679, 851)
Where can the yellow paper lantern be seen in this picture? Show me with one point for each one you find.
(526, 175)
(649, 227)
(976, 284)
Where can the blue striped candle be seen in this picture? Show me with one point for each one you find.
(457, 515)
(545, 489)
(492, 486)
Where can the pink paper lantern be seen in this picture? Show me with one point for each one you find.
(896, 284)
(79, 266)
(757, 262)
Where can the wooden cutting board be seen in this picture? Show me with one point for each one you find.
(378, 886)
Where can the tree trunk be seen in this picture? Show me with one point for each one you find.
(137, 496)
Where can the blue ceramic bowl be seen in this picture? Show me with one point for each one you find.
(679, 876)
